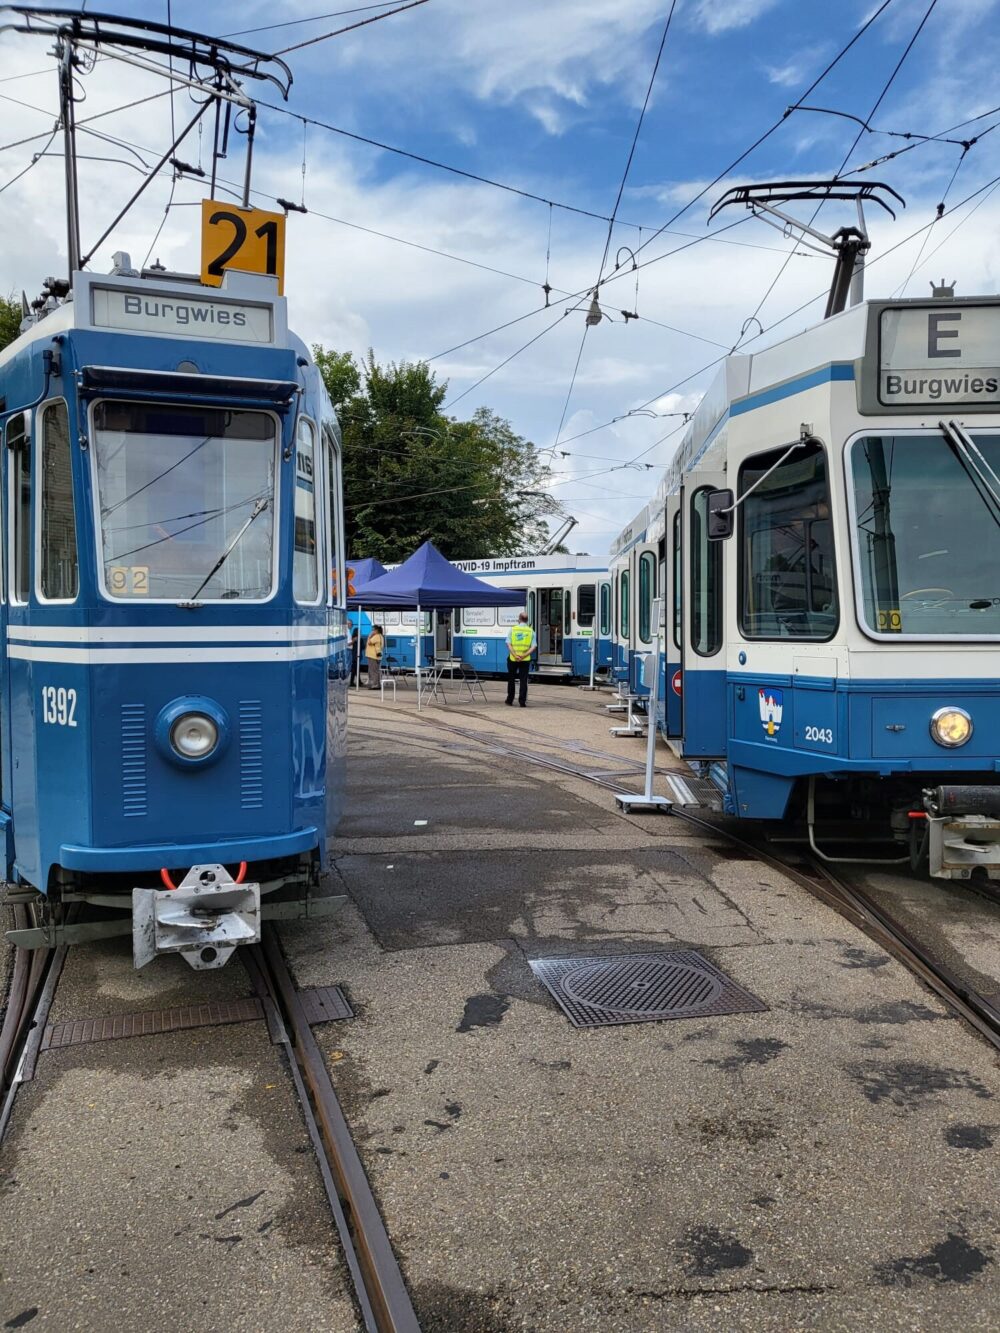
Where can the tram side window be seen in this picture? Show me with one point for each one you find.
(333, 517)
(60, 572)
(586, 605)
(677, 579)
(605, 610)
(623, 604)
(305, 579)
(787, 575)
(567, 612)
(18, 440)
(647, 591)
(706, 581)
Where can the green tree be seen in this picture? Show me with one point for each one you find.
(10, 320)
(475, 488)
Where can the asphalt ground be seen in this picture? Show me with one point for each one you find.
(828, 1163)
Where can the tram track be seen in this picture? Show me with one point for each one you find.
(382, 1297)
(378, 1280)
(818, 879)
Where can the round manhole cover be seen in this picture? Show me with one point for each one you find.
(628, 985)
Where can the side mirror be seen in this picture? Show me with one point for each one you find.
(721, 515)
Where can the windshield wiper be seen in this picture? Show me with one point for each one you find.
(258, 509)
(984, 480)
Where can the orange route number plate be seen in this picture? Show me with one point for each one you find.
(249, 239)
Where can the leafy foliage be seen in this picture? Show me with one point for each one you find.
(475, 488)
(10, 320)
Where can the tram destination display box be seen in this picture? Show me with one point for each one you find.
(938, 354)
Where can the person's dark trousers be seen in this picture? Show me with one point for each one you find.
(517, 671)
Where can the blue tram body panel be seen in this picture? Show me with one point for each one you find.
(827, 545)
(98, 680)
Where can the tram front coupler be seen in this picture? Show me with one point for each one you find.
(203, 919)
(963, 831)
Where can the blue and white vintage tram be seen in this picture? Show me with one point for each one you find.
(831, 568)
(173, 702)
(568, 601)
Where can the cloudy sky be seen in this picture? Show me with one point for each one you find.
(544, 96)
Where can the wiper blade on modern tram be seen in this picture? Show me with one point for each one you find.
(258, 509)
(980, 473)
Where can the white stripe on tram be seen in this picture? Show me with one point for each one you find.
(166, 656)
(168, 634)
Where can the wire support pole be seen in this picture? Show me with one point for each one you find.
(64, 52)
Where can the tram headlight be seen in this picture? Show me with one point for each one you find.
(194, 735)
(951, 727)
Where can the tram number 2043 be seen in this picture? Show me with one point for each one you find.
(58, 706)
(822, 734)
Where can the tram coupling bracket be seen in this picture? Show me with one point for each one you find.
(959, 844)
(203, 919)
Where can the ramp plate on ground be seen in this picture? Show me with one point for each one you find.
(641, 988)
(325, 1004)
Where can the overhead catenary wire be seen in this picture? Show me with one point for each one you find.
(326, 36)
(614, 214)
(847, 156)
(313, 18)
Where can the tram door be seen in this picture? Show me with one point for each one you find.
(550, 626)
(703, 699)
(442, 634)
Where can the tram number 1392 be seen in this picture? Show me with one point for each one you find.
(58, 706)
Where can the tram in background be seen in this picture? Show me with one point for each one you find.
(175, 667)
(568, 601)
(827, 541)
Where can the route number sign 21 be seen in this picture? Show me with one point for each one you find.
(249, 239)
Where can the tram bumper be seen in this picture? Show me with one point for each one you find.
(963, 831)
(204, 919)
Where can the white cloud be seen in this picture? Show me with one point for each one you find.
(717, 16)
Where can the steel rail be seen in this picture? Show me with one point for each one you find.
(850, 902)
(34, 978)
(382, 1294)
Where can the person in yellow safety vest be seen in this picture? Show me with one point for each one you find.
(520, 646)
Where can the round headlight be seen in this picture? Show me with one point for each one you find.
(951, 726)
(194, 735)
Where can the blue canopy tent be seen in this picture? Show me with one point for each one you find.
(429, 582)
(360, 572)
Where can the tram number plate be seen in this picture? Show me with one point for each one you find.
(249, 239)
(128, 580)
(58, 706)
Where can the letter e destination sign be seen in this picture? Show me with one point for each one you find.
(941, 355)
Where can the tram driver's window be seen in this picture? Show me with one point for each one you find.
(586, 605)
(647, 591)
(706, 581)
(59, 579)
(18, 441)
(605, 610)
(306, 567)
(788, 585)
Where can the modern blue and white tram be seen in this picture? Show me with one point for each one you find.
(174, 681)
(832, 578)
(568, 601)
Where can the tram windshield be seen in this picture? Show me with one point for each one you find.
(186, 501)
(927, 514)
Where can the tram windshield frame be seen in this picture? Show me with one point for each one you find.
(186, 501)
(924, 555)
